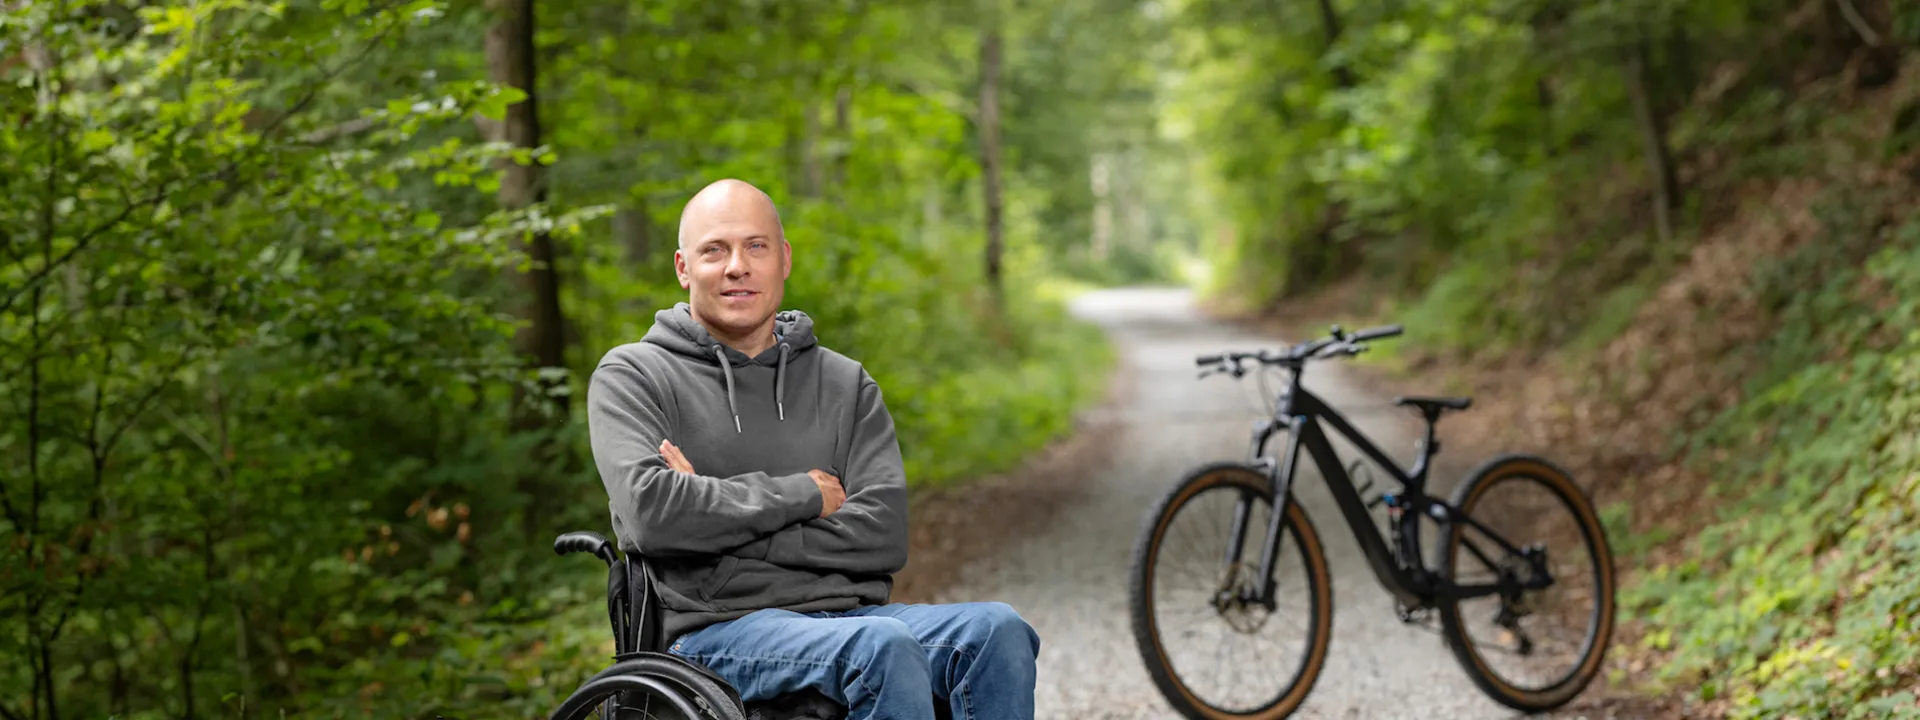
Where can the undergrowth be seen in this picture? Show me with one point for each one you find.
(1800, 598)
(1543, 274)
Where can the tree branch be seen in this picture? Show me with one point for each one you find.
(1859, 23)
(33, 281)
(46, 669)
(335, 132)
(952, 101)
(140, 407)
(226, 173)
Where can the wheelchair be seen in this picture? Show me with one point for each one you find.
(645, 682)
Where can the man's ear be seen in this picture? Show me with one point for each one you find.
(680, 269)
(786, 261)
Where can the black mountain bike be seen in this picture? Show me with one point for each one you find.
(1549, 546)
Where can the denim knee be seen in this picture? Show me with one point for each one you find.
(885, 641)
(996, 627)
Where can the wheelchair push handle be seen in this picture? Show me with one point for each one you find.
(585, 541)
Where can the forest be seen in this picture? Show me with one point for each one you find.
(296, 298)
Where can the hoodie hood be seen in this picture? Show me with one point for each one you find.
(675, 330)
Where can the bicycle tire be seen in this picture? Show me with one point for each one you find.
(1303, 536)
(691, 694)
(1507, 468)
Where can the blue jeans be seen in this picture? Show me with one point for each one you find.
(888, 662)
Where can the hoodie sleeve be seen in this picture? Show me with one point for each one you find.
(665, 512)
(868, 534)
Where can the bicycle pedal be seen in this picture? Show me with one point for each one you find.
(1417, 617)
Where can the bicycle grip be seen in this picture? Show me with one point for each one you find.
(1384, 331)
(1205, 360)
(584, 541)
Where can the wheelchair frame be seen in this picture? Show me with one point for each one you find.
(640, 647)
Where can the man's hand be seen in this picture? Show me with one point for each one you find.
(675, 460)
(832, 495)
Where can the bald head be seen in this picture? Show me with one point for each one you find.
(729, 204)
(734, 261)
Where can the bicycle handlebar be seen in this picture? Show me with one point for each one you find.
(1384, 331)
(1339, 342)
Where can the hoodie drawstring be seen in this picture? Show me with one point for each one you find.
(720, 351)
(780, 382)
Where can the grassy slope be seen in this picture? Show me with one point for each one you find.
(988, 416)
(1764, 378)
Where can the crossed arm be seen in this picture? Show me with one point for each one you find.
(670, 509)
(866, 534)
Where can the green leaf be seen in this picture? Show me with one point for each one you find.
(96, 139)
(494, 104)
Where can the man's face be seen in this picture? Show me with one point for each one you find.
(735, 268)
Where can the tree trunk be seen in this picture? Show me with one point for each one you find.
(1546, 25)
(989, 123)
(1543, 93)
(1330, 23)
(1653, 136)
(843, 137)
(1102, 209)
(930, 214)
(541, 341)
(633, 229)
(1139, 235)
(813, 178)
(1311, 266)
(1678, 73)
(510, 56)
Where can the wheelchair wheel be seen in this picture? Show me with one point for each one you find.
(651, 689)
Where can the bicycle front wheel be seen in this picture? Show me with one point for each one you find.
(1531, 650)
(1213, 654)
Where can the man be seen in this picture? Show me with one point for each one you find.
(759, 472)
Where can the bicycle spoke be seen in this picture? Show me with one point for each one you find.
(1532, 638)
(1474, 548)
(1216, 643)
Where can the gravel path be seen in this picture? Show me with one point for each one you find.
(1069, 577)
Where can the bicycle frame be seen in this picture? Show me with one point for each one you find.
(1407, 578)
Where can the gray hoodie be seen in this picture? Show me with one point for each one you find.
(745, 533)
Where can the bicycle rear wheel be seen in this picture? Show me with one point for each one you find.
(1540, 648)
(1166, 561)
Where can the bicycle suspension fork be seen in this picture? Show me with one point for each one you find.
(1280, 477)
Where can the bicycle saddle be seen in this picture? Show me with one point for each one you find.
(1433, 404)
